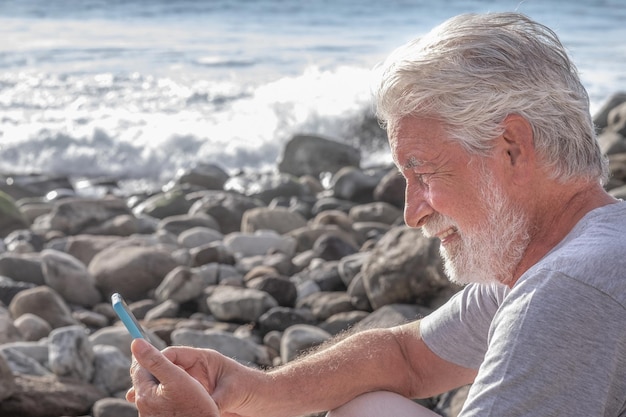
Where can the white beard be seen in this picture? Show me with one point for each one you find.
(490, 252)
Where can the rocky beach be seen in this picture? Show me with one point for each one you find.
(261, 266)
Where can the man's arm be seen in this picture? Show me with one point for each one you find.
(395, 360)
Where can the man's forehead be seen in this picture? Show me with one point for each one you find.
(416, 142)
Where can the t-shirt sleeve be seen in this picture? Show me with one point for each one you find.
(557, 348)
(458, 331)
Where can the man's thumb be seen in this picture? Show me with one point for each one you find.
(151, 359)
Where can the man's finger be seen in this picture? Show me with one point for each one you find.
(152, 360)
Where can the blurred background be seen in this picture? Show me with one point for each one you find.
(136, 89)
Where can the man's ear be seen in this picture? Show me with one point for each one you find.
(517, 147)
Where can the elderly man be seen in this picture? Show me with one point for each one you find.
(490, 126)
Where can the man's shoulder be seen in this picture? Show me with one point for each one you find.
(592, 255)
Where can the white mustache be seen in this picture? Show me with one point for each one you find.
(436, 224)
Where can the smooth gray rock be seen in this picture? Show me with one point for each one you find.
(378, 211)
(312, 155)
(325, 304)
(279, 219)
(340, 322)
(131, 271)
(205, 175)
(169, 203)
(70, 278)
(182, 222)
(266, 186)
(90, 318)
(281, 318)
(226, 207)
(280, 288)
(32, 327)
(20, 363)
(299, 338)
(167, 309)
(119, 337)
(355, 185)
(390, 188)
(239, 304)
(199, 236)
(181, 284)
(404, 267)
(259, 243)
(71, 353)
(226, 343)
(9, 288)
(392, 315)
(43, 302)
(24, 267)
(35, 350)
(111, 369)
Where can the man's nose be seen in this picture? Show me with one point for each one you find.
(416, 206)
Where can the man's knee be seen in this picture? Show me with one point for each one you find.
(381, 403)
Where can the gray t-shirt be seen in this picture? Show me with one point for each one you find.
(554, 344)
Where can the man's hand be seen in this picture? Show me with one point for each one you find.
(161, 388)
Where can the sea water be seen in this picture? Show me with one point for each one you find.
(138, 89)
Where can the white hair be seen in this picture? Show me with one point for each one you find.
(475, 69)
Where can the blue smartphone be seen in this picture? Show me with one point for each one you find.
(128, 318)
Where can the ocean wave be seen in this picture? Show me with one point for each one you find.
(139, 126)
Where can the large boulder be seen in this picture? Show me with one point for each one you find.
(70, 353)
(617, 120)
(239, 304)
(24, 267)
(601, 118)
(355, 185)
(404, 267)
(391, 188)
(70, 278)
(312, 155)
(132, 271)
(207, 176)
(111, 369)
(43, 302)
(300, 338)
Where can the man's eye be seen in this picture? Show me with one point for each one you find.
(422, 178)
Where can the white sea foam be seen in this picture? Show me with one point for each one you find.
(136, 127)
